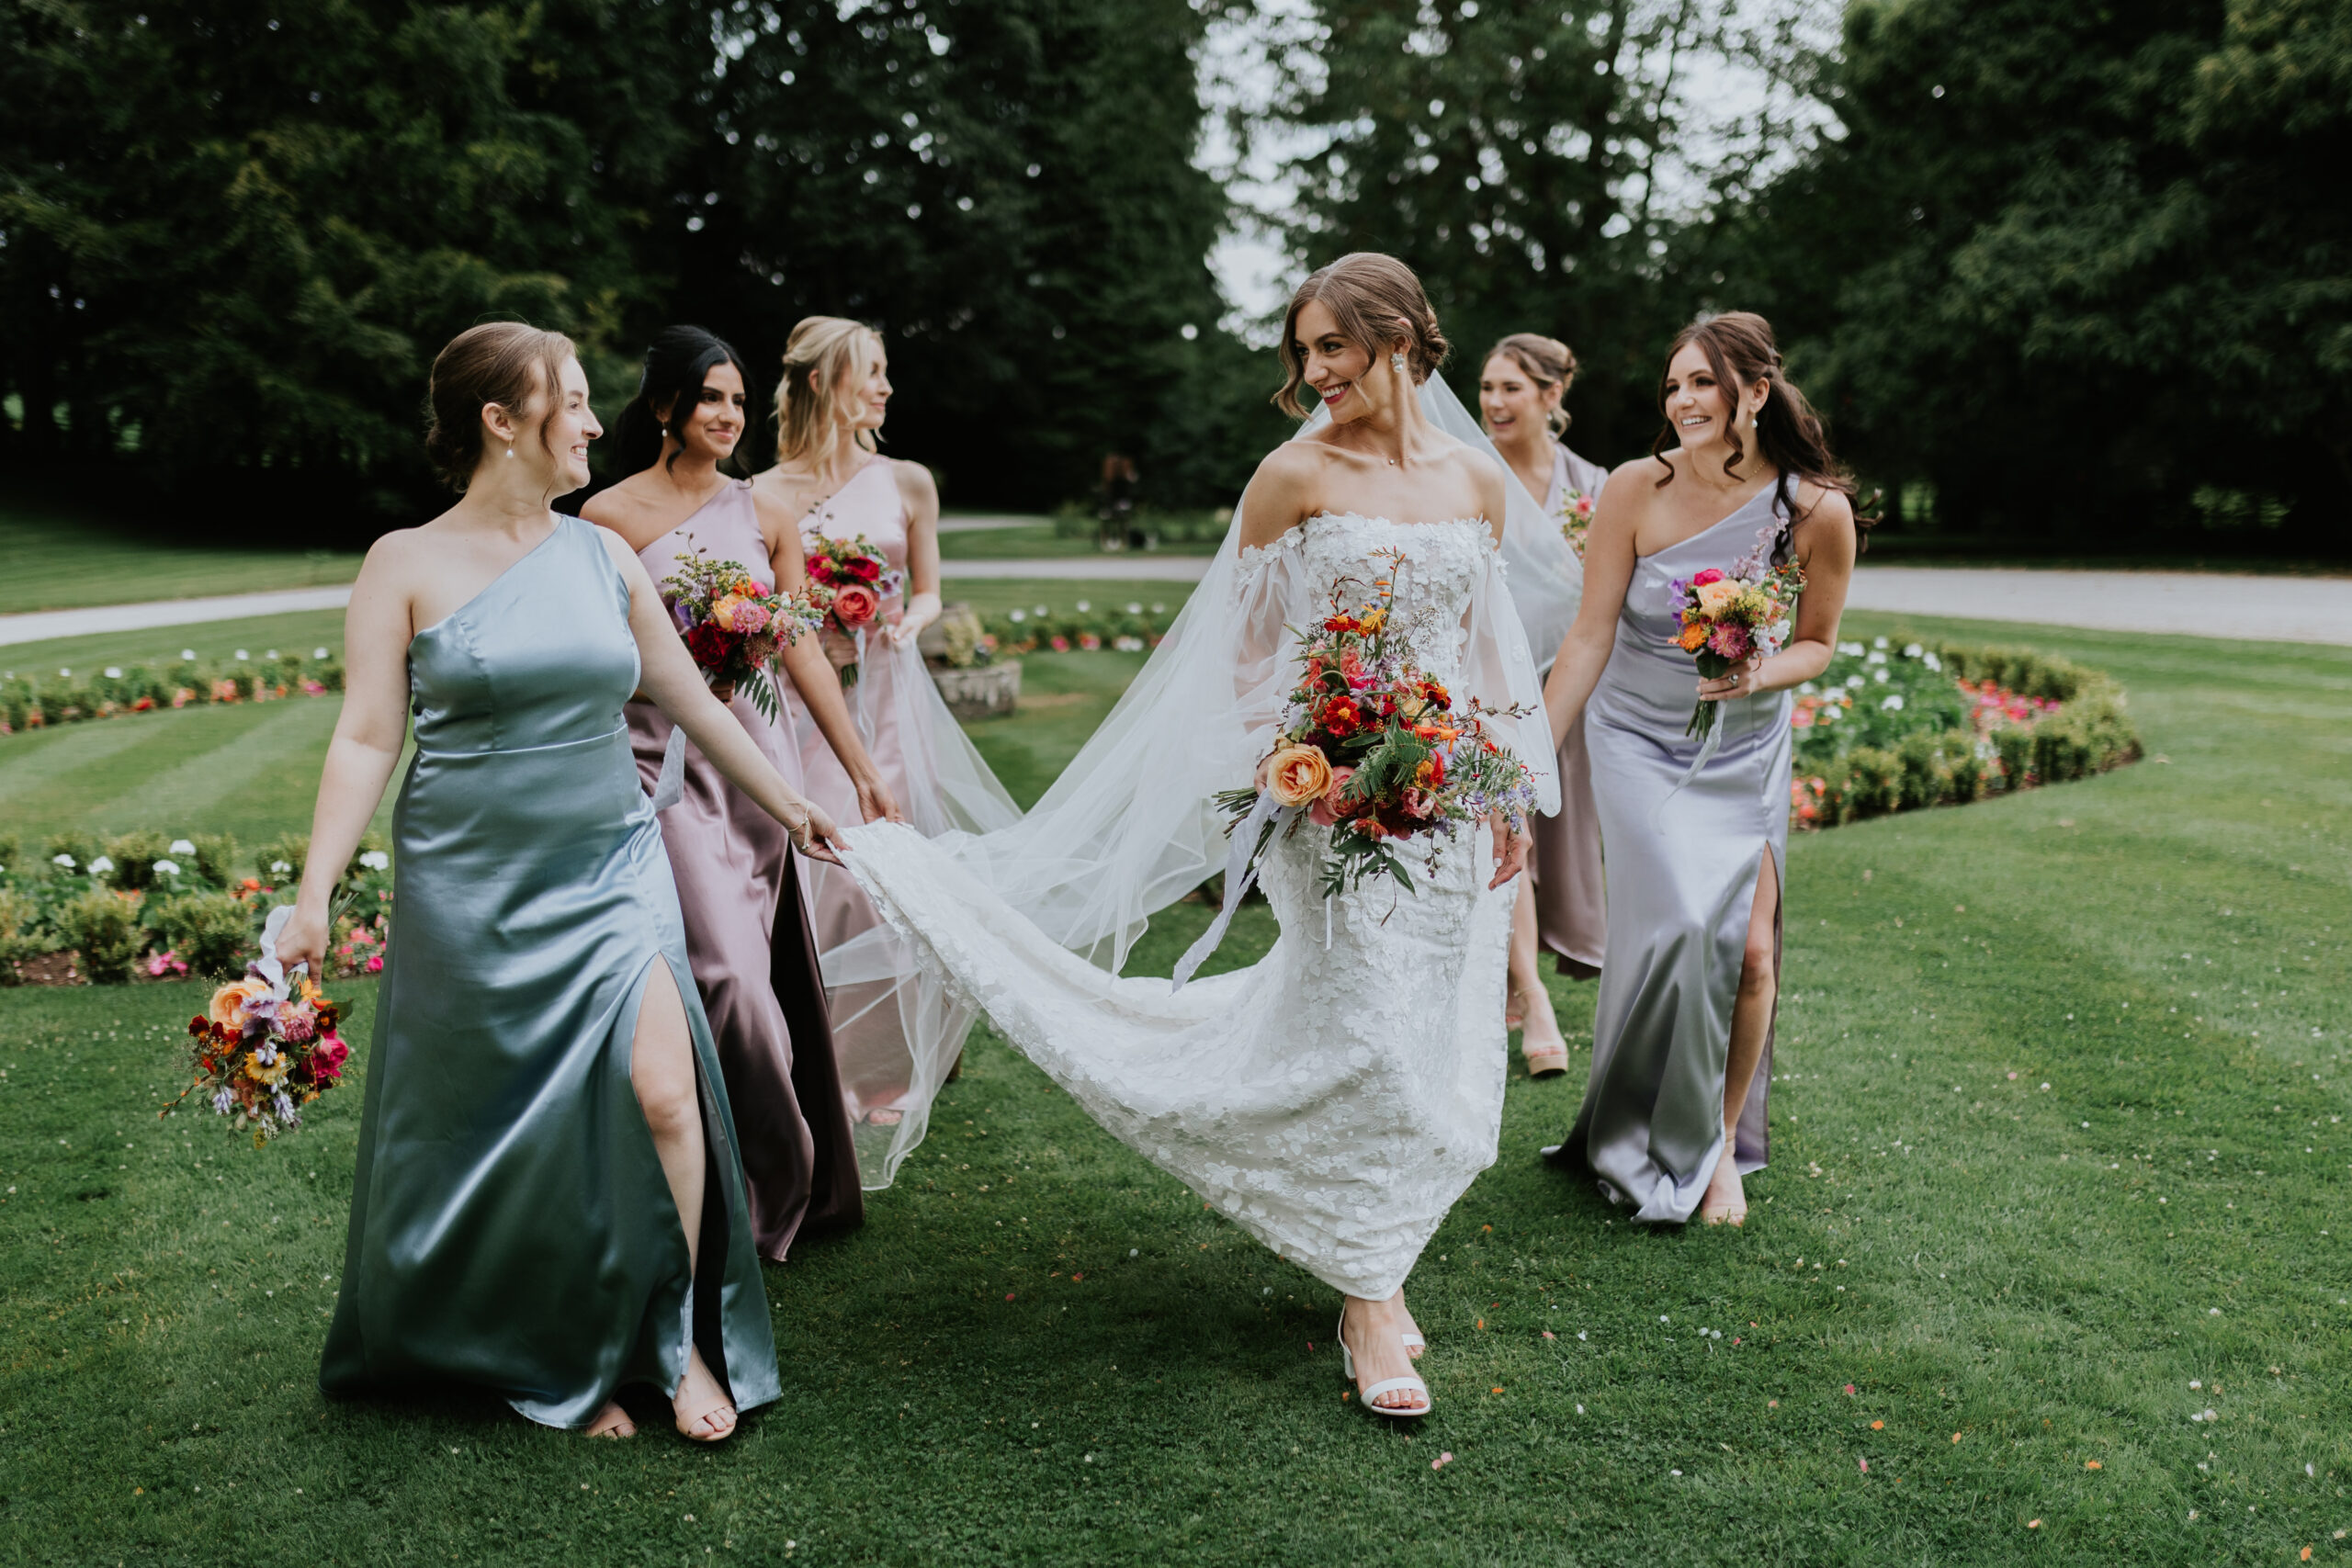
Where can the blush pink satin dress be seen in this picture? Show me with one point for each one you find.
(897, 1030)
(748, 937)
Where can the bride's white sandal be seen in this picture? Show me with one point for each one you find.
(1385, 1385)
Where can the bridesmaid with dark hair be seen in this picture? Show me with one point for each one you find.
(747, 926)
(1696, 830)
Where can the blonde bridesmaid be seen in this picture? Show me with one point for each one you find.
(748, 934)
(1562, 905)
(897, 1033)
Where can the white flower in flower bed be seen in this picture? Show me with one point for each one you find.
(182, 847)
(167, 868)
(376, 860)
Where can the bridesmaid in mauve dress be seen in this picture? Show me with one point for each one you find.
(547, 1199)
(898, 1032)
(1561, 908)
(1696, 830)
(747, 927)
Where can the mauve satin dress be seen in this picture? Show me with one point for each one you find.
(511, 1225)
(746, 932)
(1571, 898)
(1682, 866)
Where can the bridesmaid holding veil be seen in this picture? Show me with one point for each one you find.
(896, 1031)
(547, 1199)
(747, 925)
(1696, 831)
(1561, 909)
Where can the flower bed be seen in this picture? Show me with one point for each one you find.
(1889, 728)
(1124, 628)
(35, 701)
(143, 905)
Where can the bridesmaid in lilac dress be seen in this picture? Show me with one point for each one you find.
(1741, 474)
(896, 1031)
(748, 936)
(1562, 905)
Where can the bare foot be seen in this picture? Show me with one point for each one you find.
(1726, 1201)
(885, 1118)
(704, 1413)
(1406, 1324)
(1370, 1330)
(612, 1421)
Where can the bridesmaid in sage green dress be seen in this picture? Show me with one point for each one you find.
(549, 1201)
(1695, 831)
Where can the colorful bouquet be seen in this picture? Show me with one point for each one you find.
(734, 626)
(267, 1045)
(1730, 617)
(1576, 519)
(859, 577)
(1375, 750)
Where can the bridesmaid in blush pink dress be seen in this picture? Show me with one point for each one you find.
(748, 934)
(896, 1031)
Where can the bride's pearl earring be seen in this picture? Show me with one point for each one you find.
(1397, 363)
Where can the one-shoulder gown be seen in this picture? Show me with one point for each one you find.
(511, 1225)
(1682, 865)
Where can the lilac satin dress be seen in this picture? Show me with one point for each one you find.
(1688, 831)
(747, 933)
(1571, 898)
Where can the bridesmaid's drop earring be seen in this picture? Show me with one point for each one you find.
(510, 448)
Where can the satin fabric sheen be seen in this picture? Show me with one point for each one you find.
(511, 1225)
(1571, 897)
(746, 932)
(1682, 866)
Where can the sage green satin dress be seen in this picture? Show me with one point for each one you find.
(510, 1223)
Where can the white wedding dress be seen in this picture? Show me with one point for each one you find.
(1336, 1098)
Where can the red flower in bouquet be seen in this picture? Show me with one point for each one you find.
(734, 628)
(1372, 752)
(855, 605)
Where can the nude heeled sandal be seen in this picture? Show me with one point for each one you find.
(1385, 1385)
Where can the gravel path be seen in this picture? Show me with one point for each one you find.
(2274, 609)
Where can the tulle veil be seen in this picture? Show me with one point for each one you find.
(1129, 826)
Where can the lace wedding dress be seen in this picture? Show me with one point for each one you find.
(1337, 1096)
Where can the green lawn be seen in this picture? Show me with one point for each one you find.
(2019, 1282)
(57, 557)
(1042, 539)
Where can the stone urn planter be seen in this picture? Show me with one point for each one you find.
(980, 691)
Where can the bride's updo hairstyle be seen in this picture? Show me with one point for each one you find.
(671, 383)
(506, 363)
(1546, 361)
(1374, 298)
(1740, 350)
(807, 405)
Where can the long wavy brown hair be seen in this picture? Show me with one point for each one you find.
(1741, 351)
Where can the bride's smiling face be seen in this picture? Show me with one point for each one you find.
(1338, 370)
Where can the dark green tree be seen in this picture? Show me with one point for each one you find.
(1512, 157)
(2082, 268)
(1005, 189)
(236, 233)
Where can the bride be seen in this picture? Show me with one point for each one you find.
(1336, 1098)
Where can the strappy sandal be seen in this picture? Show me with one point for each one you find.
(1385, 1385)
(693, 1434)
(1545, 1061)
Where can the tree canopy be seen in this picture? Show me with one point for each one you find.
(2083, 271)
